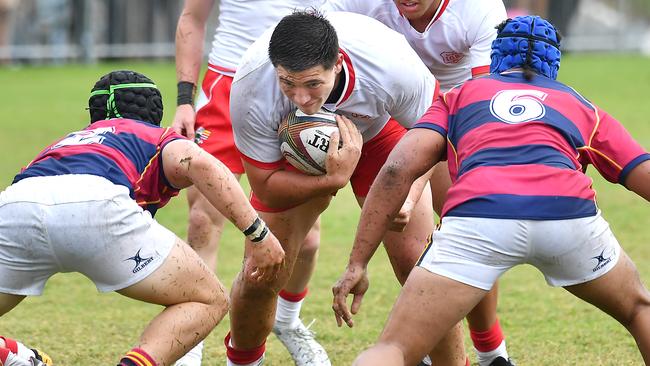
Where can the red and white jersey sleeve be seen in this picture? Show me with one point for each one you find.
(456, 44)
(378, 85)
(241, 22)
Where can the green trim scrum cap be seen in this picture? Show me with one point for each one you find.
(125, 94)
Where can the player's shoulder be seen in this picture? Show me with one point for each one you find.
(372, 9)
(346, 20)
(366, 32)
(473, 7)
(255, 57)
(472, 11)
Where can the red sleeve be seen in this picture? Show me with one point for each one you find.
(612, 150)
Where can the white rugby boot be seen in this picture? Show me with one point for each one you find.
(301, 344)
(192, 357)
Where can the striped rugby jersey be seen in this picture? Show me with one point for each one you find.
(124, 151)
(518, 150)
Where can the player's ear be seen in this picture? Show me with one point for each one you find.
(338, 66)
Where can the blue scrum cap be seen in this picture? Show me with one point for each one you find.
(528, 42)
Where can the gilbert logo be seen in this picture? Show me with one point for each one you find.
(602, 261)
(451, 57)
(140, 262)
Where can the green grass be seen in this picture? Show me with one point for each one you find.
(543, 325)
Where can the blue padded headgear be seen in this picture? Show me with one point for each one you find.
(529, 42)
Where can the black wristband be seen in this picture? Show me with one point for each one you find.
(261, 236)
(185, 93)
(257, 231)
(251, 229)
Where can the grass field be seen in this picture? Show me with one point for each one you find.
(543, 325)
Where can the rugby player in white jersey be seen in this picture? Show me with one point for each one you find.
(453, 38)
(208, 122)
(339, 63)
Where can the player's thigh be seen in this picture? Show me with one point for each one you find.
(182, 277)
(484, 314)
(292, 225)
(8, 302)
(404, 248)
(442, 303)
(440, 183)
(617, 292)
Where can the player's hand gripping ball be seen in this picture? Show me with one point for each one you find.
(305, 139)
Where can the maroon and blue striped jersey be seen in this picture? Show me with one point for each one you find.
(519, 150)
(124, 151)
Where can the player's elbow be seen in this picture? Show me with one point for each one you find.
(392, 174)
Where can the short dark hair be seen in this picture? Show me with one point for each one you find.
(125, 94)
(303, 40)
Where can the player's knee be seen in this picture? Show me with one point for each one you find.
(639, 311)
(321, 203)
(218, 302)
(201, 218)
(310, 246)
(253, 289)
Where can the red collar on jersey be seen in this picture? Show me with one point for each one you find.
(349, 77)
(438, 13)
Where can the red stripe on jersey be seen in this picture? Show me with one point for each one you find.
(530, 180)
(349, 77)
(480, 70)
(11, 345)
(441, 9)
(436, 92)
(114, 155)
(262, 165)
(4, 354)
(221, 69)
(501, 135)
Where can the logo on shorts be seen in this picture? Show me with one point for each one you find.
(201, 135)
(140, 262)
(451, 57)
(602, 261)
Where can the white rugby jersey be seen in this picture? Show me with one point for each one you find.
(241, 22)
(457, 42)
(384, 78)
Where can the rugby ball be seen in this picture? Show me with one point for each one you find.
(305, 138)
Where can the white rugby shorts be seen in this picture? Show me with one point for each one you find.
(76, 223)
(477, 251)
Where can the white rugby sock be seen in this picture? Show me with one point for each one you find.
(287, 313)
(258, 362)
(485, 358)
